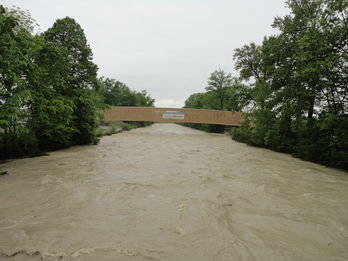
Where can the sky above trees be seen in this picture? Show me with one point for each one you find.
(166, 47)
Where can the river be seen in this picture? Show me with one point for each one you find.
(167, 192)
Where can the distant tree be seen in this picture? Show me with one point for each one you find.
(206, 100)
(203, 100)
(238, 98)
(218, 81)
(235, 95)
(195, 101)
(116, 93)
(144, 99)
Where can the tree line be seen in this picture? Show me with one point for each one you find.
(293, 86)
(223, 92)
(50, 94)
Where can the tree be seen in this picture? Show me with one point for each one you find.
(144, 99)
(16, 43)
(238, 97)
(116, 93)
(80, 78)
(218, 81)
(51, 112)
(299, 83)
(69, 34)
(195, 101)
(49, 93)
(248, 61)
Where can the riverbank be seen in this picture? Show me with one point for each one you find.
(236, 134)
(107, 129)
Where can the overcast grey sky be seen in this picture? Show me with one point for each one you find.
(167, 47)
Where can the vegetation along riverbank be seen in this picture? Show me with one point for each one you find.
(293, 86)
(50, 92)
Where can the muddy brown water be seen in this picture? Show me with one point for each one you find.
(167, 192)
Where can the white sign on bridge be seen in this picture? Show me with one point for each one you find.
(173, 115)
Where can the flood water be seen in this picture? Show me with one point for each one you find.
(167, 192)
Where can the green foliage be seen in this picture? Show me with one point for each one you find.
(234, 96)
(299, 81)
(218, 81)
(49, 91)
(18, 143)
(85, 120)
(51, 121)
(294, 85)
(81, 72)
(238, 97)
(15, 45)
(80, 77)
(116, 93)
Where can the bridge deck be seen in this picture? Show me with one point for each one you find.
(117, 113)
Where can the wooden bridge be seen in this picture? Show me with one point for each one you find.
(118, 113)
